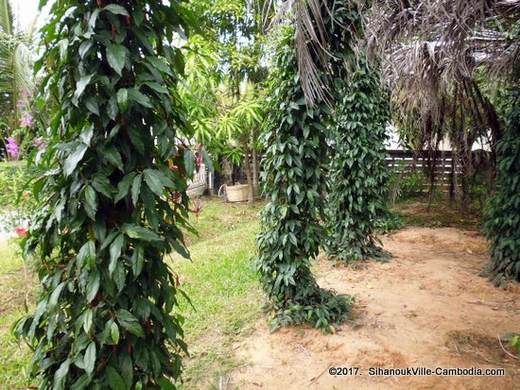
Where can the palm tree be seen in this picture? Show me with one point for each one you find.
(16, 81)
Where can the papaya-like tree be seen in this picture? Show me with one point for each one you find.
(357, 184)
(502, 224)
(113, 198)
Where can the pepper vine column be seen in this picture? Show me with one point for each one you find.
(106, 315)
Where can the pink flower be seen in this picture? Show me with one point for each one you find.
(12, 148)
(27, 120)
(40, 143)
(21, 231)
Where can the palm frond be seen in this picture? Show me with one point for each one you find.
(6, 17)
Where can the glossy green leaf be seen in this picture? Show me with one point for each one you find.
(89, 360)
(116, 56)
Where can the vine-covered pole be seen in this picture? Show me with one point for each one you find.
(113, 198)
(294, 174)
(502, 223)
(291, 234)
(357, 183)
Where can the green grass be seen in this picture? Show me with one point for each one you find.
(220, 281)
(16, 292)
(223, 288)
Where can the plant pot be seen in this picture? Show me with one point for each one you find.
(238, 193)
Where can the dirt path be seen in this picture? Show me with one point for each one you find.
(426, 308)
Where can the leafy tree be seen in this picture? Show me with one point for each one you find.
(227, 82)
(16, 81)
(293, 179)
(503, 220)
(111, 207)
(358, 174)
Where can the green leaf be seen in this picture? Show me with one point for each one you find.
(114, 333)
(102, 185)
(115, 252)
(181, 249)
(206, 159)
(53, 300)
(93, 17)
(81, 85)
(136, 188)
(138, 97)
(114, 379)
(153, 180)
(61, 375)
(140, 233)
(73, 159)
(161, 89)
(116, 9)
(91, 202)
(137, 137)
(86, 134)
(93, 285)
(87, 320)
(89, 361)
(112, 108)
(158, 63)
(82, 383)
(87, 254)
(129, 322)
(116, 56)
(124, 186)
(189, 162)
(92, 105)
(126, 367)
(114, 157)
(122, 99)
(84, 48)
(137, 261)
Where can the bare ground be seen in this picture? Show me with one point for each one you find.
(426, 308)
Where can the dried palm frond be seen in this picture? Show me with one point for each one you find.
(313, 21)
(461, 34)
(432, 49)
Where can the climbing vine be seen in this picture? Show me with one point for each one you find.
(358, 175)
(291, 234)
(112, 192)
(503, 219)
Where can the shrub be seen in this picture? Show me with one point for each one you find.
(14, 177)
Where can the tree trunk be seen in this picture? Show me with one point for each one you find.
(249, 176)
(255, 172)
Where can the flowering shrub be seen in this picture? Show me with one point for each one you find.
(12, 148)
(26, 120)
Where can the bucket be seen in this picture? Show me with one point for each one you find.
(237, 193)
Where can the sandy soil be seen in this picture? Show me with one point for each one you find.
(426, 308)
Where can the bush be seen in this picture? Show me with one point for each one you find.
(389, 222)
(406, 186)
(514, 341)
(13, 180)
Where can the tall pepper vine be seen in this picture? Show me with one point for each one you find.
(293, 179)
(113, 198)
(357, 185)
(502, 224)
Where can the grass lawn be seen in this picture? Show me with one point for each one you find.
(220, 281)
